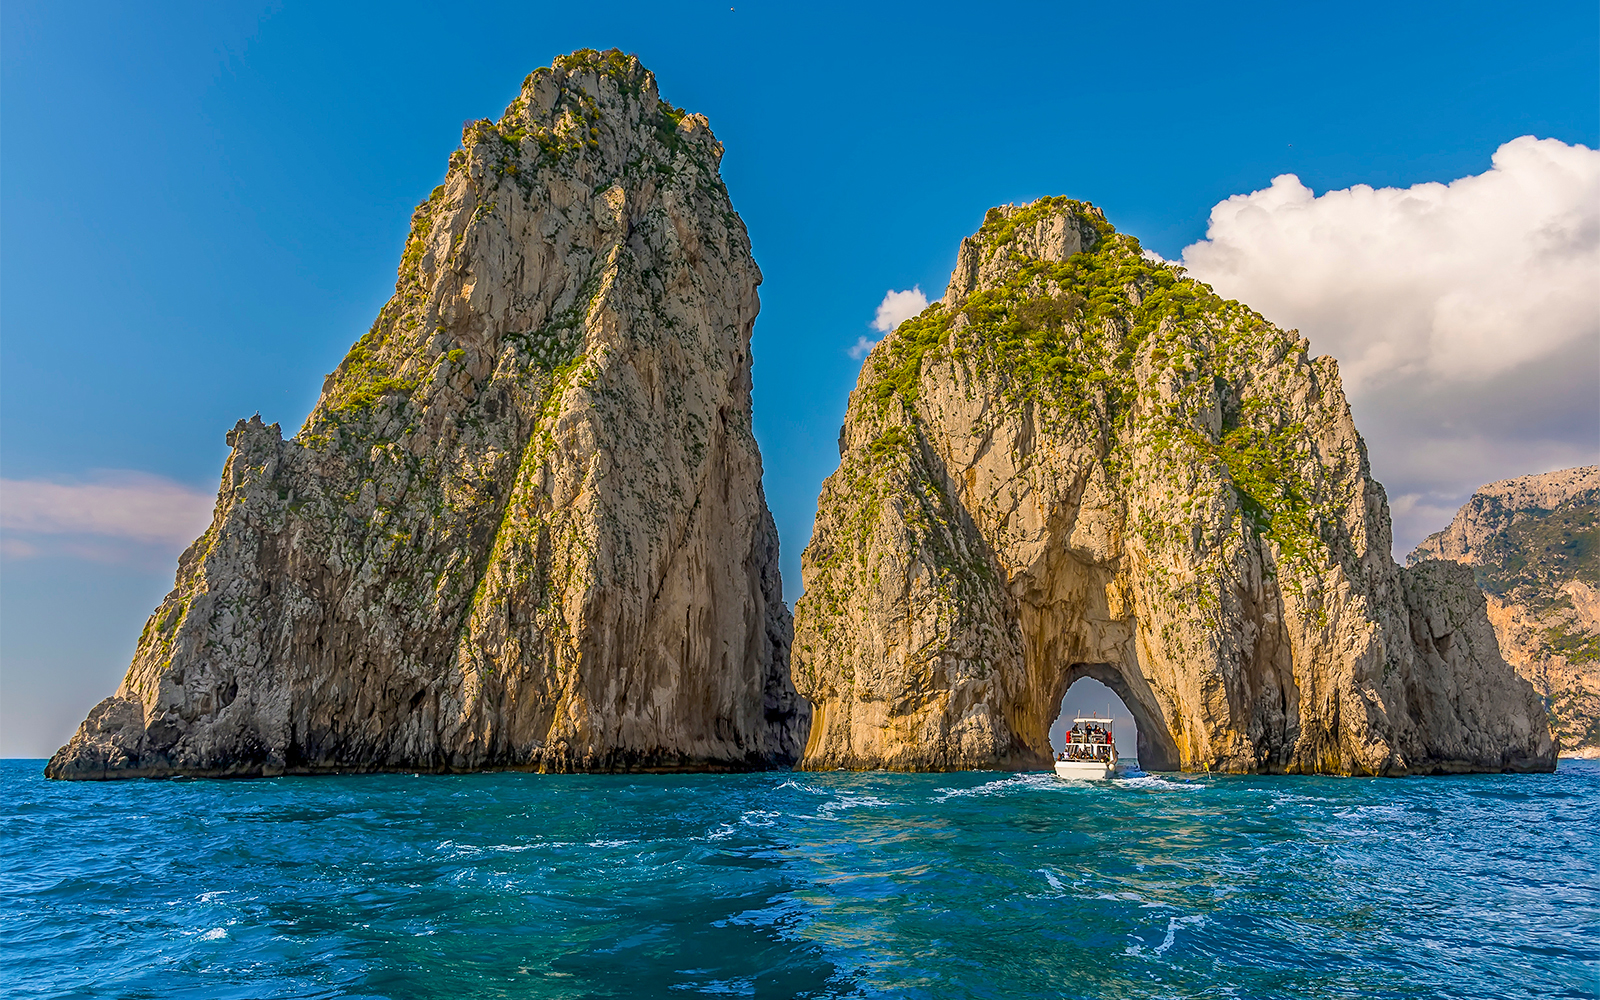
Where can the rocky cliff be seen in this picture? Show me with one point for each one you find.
(1082, 463)
(524, 525)
(1534, 547)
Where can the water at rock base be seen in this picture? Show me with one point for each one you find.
(801, 885)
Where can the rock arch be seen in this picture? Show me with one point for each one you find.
(1081, 463)
(1158, 751)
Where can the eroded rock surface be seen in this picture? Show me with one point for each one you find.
(1534, 547)
(1082, 463)
(524, 525)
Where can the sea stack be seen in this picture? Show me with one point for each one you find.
(524, 525)
(1082, 463)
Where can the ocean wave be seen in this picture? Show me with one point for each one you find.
(759, 817)
(853, 884)
(1174, 924)
(750, 819)
(1370, 812)
(847, 801)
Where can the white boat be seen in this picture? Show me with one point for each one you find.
(1091, 751)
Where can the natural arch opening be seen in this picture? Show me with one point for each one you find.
(1092, 688)
(1088, 697)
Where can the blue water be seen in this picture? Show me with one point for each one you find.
(779, 885)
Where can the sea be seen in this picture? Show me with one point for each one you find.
(801, 885)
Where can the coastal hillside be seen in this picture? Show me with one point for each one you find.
(1082, 463)
(524, 525)
(1534, 547)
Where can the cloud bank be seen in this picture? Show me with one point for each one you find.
(1465, 316)
(105, 519)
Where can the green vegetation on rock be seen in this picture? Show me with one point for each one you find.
(1539, 551)
(365, 377)
(1080, 339)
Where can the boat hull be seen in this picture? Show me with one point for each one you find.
(1084, 770)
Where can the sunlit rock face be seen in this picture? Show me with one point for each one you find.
(524, 525)
(1534, 547)
(1082, 463)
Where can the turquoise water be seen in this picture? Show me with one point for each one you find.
(779, 885)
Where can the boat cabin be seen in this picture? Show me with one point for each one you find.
(1090, 739)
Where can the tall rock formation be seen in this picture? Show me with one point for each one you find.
(1082, 463)
(1534, 547)
(524, 525)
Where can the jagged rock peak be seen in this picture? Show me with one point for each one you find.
(1050, 229)
(523, 526)
(1081, 462)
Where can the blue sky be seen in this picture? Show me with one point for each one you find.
(202, 205)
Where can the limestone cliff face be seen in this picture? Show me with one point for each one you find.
(524, 525)
(1081, 463)
(1534, 547)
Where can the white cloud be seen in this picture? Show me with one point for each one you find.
(862, 347)
(127, 506)
(1465, 316)
(897, 307)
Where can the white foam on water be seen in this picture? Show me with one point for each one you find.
(847, 801)
(1048, 781)
(1075, 888)
(478, 850)
(1171, 938)
(1122, 897)
(214, 934)
(1028, 781)
(1153, 783)
(474, 851)
(1290, 798)
(758, 818)
(1368, 812)
(1173, 923)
